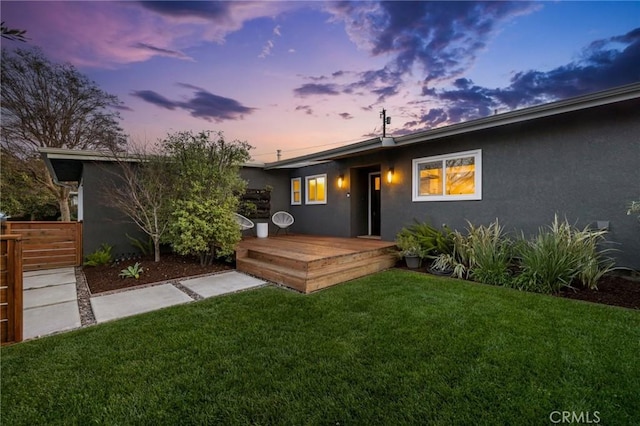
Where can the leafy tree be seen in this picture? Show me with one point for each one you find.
(143, 190)
(52, 105)
(20, 193)
(207, 184)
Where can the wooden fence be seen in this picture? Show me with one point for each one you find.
(10, 289)
(48, 245)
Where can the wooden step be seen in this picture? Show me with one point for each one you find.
(307, 281)
(272, 272)
(301, 262)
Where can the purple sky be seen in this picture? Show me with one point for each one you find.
(307, 76)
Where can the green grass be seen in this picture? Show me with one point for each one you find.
(393, 348)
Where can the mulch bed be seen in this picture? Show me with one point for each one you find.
(615, 289)
(171, 266)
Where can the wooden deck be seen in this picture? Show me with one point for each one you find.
(308, 263)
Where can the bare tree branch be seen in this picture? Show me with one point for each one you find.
(51, 105)
(141, 189)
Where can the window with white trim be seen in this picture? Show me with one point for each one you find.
(296, 191)
(316, 189)
(450, 177)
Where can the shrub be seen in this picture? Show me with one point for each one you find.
(102, 256)
(558, 256)
(408, 244)
(206, 229)
(430, 240)
(484, 255)
(207, 183)
(457, 261)
(491, 254)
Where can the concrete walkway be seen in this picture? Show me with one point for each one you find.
(51, 301)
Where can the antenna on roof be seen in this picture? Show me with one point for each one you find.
(385, 120)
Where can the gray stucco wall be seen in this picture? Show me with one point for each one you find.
(103, 223)
(581, 165)
(278, 180)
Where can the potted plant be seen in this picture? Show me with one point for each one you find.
(410, 249)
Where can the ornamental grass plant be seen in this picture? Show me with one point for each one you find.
(561, 256)
(483, 254)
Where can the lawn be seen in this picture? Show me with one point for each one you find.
(394, 348)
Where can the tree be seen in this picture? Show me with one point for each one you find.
(207, 188)
(52, 105)
(143, 192)
(20, 193)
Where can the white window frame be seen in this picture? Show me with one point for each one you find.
(477, 195)
(306, 189)
(293, 201)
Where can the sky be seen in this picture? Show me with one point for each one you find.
(302, 77)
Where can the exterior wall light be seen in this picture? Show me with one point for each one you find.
(340, 181)
(390, 175)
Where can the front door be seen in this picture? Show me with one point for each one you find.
(375, 184)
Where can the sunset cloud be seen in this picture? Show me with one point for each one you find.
(202, 104)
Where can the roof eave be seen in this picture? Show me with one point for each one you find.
(591, 100)
(618, 94)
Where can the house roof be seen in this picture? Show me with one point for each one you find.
(66, 165)
(611, 96)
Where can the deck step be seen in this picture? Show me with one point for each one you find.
(327, 273)
(302, 263)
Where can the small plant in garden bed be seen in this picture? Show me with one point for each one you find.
(408, 245)
(106, 277)
(423, 240)
(102, 256)
(132, 271)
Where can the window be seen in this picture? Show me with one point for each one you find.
(448, 177)
(296, 191)
(316, 189)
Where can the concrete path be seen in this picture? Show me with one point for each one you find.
(51, 303)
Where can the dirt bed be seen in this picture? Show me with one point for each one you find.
(106, 278)
(616, 290)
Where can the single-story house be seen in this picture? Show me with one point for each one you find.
(578, 158)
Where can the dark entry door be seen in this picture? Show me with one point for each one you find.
(375, 184)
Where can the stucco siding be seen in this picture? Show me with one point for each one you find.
(581, 165)
(278, 180)
(103, 223)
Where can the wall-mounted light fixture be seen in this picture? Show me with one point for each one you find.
(390, 175)
(340, 181)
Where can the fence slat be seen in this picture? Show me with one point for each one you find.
(11, 294)
(48, 244)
